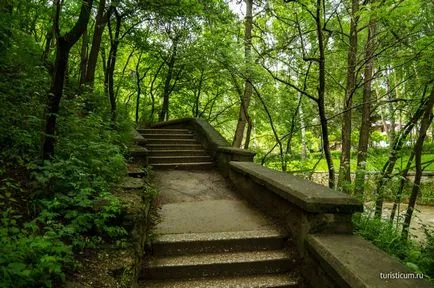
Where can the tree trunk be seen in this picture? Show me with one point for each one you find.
(362, 151)
(47, 47)
(100, 22)
(54, 97)
(248, 133)
(151, 91)
(402, 182)
(393, 156)
(321, 95)
(114, 43)
(84, 57)
(248, 90)
(139, 86)
(197, 93)
(63, 47)
(303, 132)
(164, 112)
(391, 128)
(424, 126)
(344, 180)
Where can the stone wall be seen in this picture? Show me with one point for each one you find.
(319, 220)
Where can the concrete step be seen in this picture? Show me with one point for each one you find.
(168, 136)
(160, 147)
(136, 173)
(184, 166)
(172, 141)
(225, 264)
(160, 153)
(214, 242)
(178, 159)
(137, 151)
(163, 131)
(135, 170)
(253, 281)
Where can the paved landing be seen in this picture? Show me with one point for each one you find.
(202, 201)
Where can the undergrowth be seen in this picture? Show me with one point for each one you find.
(386, 236)
(52, 210)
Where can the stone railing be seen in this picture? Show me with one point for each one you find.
(212, 140)
(318, 219)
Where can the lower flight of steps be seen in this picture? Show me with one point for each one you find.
(175, 148)
(245, 259)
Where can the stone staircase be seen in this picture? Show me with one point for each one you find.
(221, 259)
(175, 148)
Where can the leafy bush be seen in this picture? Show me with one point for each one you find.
(28, 259)
(387, 237)
(68, 197)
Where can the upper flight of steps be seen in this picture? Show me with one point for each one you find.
(245, 259)
(175, 148)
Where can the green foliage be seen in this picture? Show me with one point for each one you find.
(387, 237)
(28, 259)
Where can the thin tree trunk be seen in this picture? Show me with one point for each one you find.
(248, 90)
(63, 47)
(362, 151)
(393, 155)
(47, 47)
(114, 44)
(248, 133)
(391, 109)
(344, 179)
(321, 95)
(424, 126)
(402, 182)
(270, 118)
(100, 22)
(198, 92)
(139, 86)
(151, 91)
(164, 112)
(104, 69)
(303, 132)
(118, 87)
(83, 57)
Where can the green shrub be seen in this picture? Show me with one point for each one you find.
(387, 237)
(28, 259)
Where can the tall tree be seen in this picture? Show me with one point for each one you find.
(362, 151)
(168, 87)
(243, 117)
(344, 179)
(100, 22)
(63, 47)
(417, 149)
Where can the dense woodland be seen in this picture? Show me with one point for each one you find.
(343, 87)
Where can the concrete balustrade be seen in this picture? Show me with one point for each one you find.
(317, 218)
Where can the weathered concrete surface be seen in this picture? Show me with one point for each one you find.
(307, 195)
(202, 201)
(177, 186)
(210, 216)
(350, 261)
